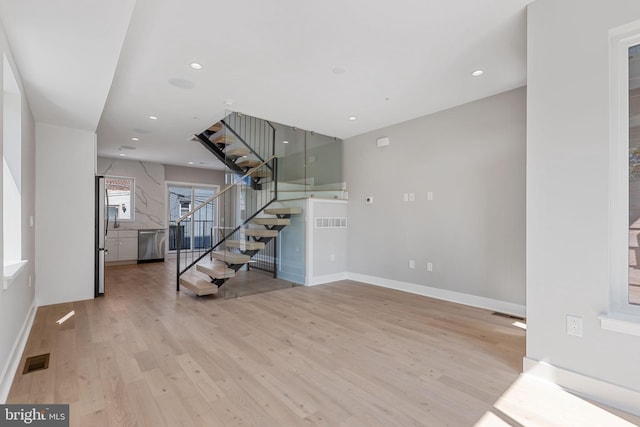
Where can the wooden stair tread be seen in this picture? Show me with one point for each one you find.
(248, 163)
(244, 245)
(271, 221)
(216, 270)
(216, 127)
(261, 173)
(283, 211)
(197, 285)
(260, 232)
(222, 139)
(236, 152)
(231, 257)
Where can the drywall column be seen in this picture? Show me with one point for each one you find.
(568, 189)
(65, 161)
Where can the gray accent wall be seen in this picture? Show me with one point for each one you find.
(472, 159)
(568, 195)
(194, 175)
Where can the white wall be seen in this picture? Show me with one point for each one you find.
(326, 247)
(64, 213)
(17, 303)
(567, 188)
(472, 158)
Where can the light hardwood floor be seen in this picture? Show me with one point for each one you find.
(343, 354)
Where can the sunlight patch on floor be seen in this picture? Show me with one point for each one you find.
(534, 402)
(65, 317)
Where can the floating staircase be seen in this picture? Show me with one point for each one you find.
(241, 143)
(211, 274)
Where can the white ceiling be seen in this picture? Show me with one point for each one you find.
(108, 65)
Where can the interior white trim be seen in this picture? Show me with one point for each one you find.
(327, 278)
(625, 324)
(443, 294)
(619, 42)
(10, 368)
(585, 386)
(308, 212)
(11, 271)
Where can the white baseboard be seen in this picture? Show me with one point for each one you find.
(443, 294)
(11, 366)
(598, 390)
(327, 278)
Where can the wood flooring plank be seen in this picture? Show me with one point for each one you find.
(340, 354)
(208, 389)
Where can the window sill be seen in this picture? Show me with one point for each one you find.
(623, 323)
(11, 271)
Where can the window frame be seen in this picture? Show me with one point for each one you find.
(192, 186)
(132, 198)
(619, 307)
(12, 219)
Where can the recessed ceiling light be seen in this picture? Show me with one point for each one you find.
(477, 73)
(153, 117)
(122, 154)
(285, 142)
(195, 66)
(352, 118)
(135, 139)
(190, 163)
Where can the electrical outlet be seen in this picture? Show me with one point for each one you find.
(412, 264)
(574, 325)
(429, 266)
(430, 196)
(405, 197)
(412, 197)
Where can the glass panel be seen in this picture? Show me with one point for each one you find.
(179, 198)
(634, 175)
(290, 148)
(323, 166)
(203, 222)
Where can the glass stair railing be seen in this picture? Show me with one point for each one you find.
(241, 239)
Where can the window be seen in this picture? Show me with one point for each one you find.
(198, 232)
(633, 292)
(119, 198)
(624, 229)
(11, 173)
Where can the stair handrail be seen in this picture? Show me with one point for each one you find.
(215, 196)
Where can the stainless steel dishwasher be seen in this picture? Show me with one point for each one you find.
(151, 245)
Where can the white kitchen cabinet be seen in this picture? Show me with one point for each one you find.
(122, 245)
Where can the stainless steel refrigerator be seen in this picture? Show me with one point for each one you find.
(100, 235)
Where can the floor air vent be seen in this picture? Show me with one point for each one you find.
(36, 363)
(508, 316)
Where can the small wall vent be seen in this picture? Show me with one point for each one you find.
(331, 222)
